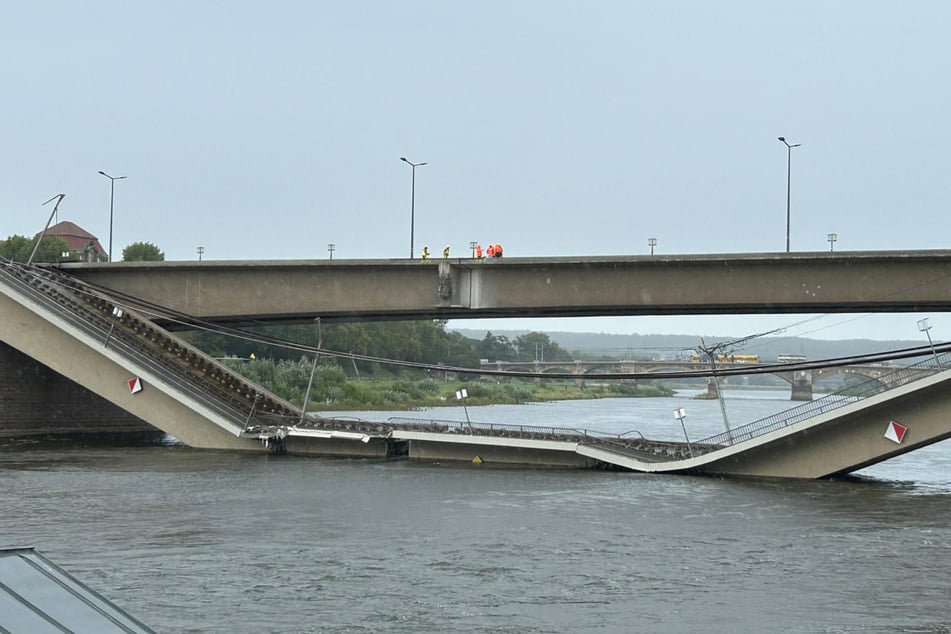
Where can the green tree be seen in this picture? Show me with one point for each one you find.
(496, 348)
(19, 248)
(142, 252)
(418, 341)
(537, 346)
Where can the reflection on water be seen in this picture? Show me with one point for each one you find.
(196, 541)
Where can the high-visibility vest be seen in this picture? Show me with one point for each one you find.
(491, 250)
(445, 252)
(498, 250)
(478, 250)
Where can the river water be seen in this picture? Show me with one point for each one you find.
(196, 541)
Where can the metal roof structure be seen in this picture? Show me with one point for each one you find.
(37, 596)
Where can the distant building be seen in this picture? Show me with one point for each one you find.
(83, 246)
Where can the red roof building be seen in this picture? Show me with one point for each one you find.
(81, 243)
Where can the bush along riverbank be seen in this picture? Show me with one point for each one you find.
(331, 390)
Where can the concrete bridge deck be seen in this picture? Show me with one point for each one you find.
(882, 281)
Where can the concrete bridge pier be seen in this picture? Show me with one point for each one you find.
(712, 391)
(801, 386)
(35, 401)
(579, 371)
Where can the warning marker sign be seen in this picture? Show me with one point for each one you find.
(135, 385)
(895, 432)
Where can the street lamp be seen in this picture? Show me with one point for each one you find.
(832, 237)
(313, 370)
(788, 174)
(331, 247)
(112, 198)
(412, 205)
(201, 251)
(652, 242)
(924, 327)
(472, 246)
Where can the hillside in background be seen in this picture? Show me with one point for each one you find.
(597, 345)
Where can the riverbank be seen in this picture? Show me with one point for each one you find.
(412, 395)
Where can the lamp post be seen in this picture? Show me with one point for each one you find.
(652, 242)
(412, 204)
(201, 251)
(330, 248)
(832, 237)
(788, 175)
(313, 370)
(112, 198)
(924, 327)
(472, 246)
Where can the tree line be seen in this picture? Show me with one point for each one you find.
(54, 249)
(426, 342)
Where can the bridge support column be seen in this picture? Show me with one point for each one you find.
(712, 391)
(801, 386)
(36, 401)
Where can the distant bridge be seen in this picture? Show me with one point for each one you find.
(801, 380)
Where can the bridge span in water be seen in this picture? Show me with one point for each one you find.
(133, 365)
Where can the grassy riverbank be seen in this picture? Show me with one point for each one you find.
(331, 390)
(408, 395)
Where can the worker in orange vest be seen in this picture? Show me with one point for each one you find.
(478, 251)
(490, 250)
(498, 250)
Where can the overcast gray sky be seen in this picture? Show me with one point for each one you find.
(268, 130)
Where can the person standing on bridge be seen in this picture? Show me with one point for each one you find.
(478, 251)
(445, 253)
(425, 253)
(490, 250)
(498, 250)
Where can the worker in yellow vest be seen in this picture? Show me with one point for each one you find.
(425, 253)
(445, 252)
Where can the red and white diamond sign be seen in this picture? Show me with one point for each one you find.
(135, 385)
(895, 432)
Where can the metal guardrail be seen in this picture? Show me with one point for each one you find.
(853, 394)
(639, 447)
(490, 429)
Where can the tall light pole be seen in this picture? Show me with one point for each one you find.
(112, 198)
(788, 174)
(832, 237)
(652, 242)
(412, 205)
(924, 326)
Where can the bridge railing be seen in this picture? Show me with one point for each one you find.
(830, 402)
(625, 444)
(491, 429)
